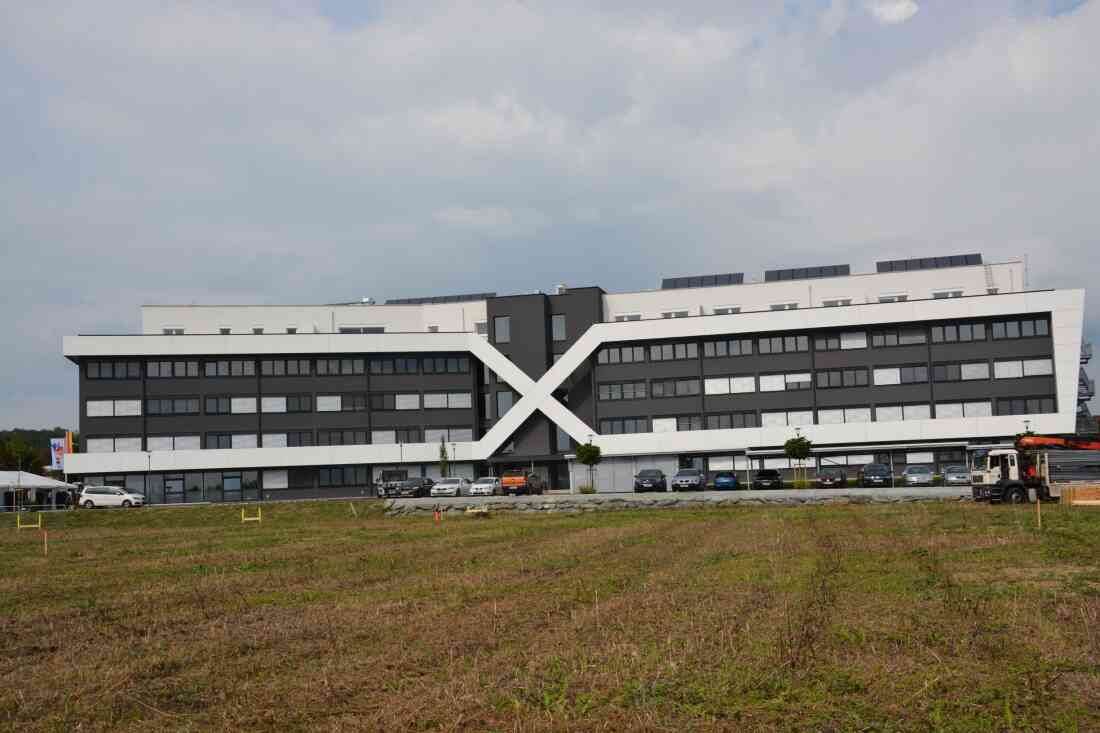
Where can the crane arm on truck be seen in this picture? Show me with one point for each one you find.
(1032, 442)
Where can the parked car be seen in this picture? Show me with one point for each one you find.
(767, 478)
(688, 479)
(917, 476)
(93, 496)
(726, 480)
(956, 476)
(650, 479)
(875, 474)
(406, 487)
(451, 487)
(832, 478)
(519, 481)
(485, 486)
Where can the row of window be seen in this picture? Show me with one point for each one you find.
(282, 439)
(826, 379)
(276, 367)
(829, 416)
(227, 405)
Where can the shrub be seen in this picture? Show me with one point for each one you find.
(586, 489)
(802, 484)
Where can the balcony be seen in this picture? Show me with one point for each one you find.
(1086, 352)
(1086, 387)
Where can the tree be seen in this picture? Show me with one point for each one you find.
(798, 449)
(444, 460)
(590, 456)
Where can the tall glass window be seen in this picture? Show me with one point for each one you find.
(502, 329)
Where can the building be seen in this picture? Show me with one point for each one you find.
(912, 363)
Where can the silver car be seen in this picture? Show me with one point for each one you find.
(916, 476)
(485, 486)
(956, 476)
(451, 487)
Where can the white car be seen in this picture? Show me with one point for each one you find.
(451, 487)
(93, 496)
(485, 486)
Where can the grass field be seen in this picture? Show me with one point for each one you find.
(884, 617)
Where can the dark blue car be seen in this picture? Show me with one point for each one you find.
(726, 480)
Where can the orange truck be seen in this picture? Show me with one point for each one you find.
(521, 482)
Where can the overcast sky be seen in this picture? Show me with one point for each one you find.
(277, 152)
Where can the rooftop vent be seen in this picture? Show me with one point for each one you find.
(465, 298)
(703, 281)
(807, 273)
(929, 263)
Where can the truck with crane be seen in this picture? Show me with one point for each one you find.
(1036, 468)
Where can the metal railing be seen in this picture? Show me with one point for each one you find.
(1086, 352)
(1086, 387)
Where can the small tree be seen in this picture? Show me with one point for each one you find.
(590, 456)
(444, 459)
(798, 449)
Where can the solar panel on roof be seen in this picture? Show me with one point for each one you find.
(434, 299)
(807, 273)
(703, 281)
(928, 263)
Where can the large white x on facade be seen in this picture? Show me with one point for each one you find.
(1065, 306)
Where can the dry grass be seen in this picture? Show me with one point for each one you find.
(915, 617)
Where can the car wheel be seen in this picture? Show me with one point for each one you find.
(1016, 495)
(126, 504)
(88, 504)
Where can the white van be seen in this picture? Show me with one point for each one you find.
(93, 496)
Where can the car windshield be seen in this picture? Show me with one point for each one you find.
(875, 468)
(768, 473)
(688, 472)
(725, 474)
(834, 473)
(918, 469)
(513, 473)
(649, 473)
(486, 480)
(448, 481)
(955, 469)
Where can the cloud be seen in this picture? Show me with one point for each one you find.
(187, 152)
(892, 12)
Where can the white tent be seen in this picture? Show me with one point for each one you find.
(19, 488)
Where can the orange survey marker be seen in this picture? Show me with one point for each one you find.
(438, 515)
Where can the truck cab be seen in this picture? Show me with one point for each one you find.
(998, 475)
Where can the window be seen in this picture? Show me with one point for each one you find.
(1028, 328)
(783, 344)
(621, 355)
(730, 347)
(622, 391)
(113, 369)
(388, 402)
(219, 441)
(897, 413)
(672, 352)
(224, 330)
(257, 330)
(289, 403)
(784, 306)
(291, 329)
(899, 337)
(448, 400)
(116, 444)
(293, 439)
(689, 422)
(481, 328)
(792, 418)
(963, 409)
(504, 402)
(217, 405)
(285, 367)
(916, 412)
(674, 387)
(785, 382)
(674, 314)
(172, 406)
(233, 368)
(342, 476)
(172, 442)
(833, 303)
(952, 332)
(1025, 405)
(898, 298)
(729, 385)
(620, 318)
(557, 327)
(842, 415)
(961, 372)
(624, 425)
(732, 421)
(337, 367)
(172, 331)
(832, 378)
(433, 329)
(328, 403)
(113, 408)
(444, 365)
(841, 341)
(457, 435)
(396, 435)
(726, 310)
(940, 294)
(341, 437)
(242, 405)
(240, 440)
(362, 329)
(502, 329)
(1025, 368)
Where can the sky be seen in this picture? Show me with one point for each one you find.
(312, 152)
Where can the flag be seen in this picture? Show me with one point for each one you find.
(57, 454)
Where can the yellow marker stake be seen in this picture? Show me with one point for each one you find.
(258, 518)
(19, 522)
